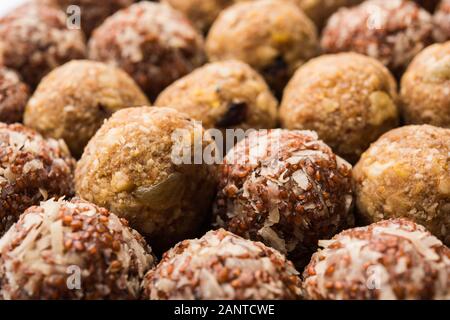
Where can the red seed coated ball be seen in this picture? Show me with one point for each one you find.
(221, 265)
(274, 37)
(14, 95)
(154, 43)
(72, 250)
(94, 12)
(425, 92)
(390, 31)
(36, 40)
(286, 189)
(31, 169)
(391, 259)
(405, 173)
(442, 21)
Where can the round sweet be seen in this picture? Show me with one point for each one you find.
(72, 102)
(221, 265)
(391, 31)
(391, 259)
(347, 98)
(94, 12)
(425, 89)
(154, 43)
(72, 250)
(405, 173)
(14, 95)
(274, 37)
(222, 95)
(131, 167)
(286, 189)
(442, 22)
(202, 13)
(36, 40)
(31, 169)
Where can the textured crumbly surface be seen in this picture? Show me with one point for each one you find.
(72, 102)
(442, 21)
(221, 265)
(406, 174)
(154, 43)
(31, 169)
(430, 5)
(58, 240)
(127, 167)
(273, 37)
(348, 99)
(36, 40)
(425, 87)
(391, 259)
(14, 95)
(94, 12)
(286, 189)
(391, 31)
(227, 94)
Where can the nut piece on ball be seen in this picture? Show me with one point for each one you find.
(154, 43)
(51, 245)
(274, 37)
(72, 101)
(131, 167)
(222, 95)
(425, 87)
(405, 173)
(14, 95)
(93, 12)
(221, 265)
(36, 40)
(286, 189)
(391, 259)
(348, 99)
(391, 31)
(31, 169)
(442, 21)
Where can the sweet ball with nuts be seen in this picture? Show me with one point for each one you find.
(391, 31)
(286, 189)
(32, 169)
(274, 37)
(72, 101)
(347, 98)
(14, 95)
(221, 265)
(405, 173)
(35, 40)
(154, 43)
(72, 250)
(228, 94)
(133, 167)
(425, 87)
(391, 259)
